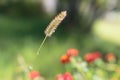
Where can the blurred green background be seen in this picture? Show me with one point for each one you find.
(91, 25)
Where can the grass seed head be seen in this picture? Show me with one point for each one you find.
(54, 23)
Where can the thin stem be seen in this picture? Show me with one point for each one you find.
(38, 52)
(23, 64)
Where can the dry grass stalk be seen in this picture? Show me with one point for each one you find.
(52, 27)
(23, 64)
(54, 23)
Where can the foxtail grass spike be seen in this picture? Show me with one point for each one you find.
(54, 23)
(52, 27)
(23, 64)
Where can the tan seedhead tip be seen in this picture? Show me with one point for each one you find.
(54, 23)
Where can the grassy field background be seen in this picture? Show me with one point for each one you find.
(16, 40)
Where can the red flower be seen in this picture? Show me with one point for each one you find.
(89, 57)
(34, 74)
(97, 54)
(68, 76)
(65, 58)
(59, 77)
(72, 52)
(110, 57)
